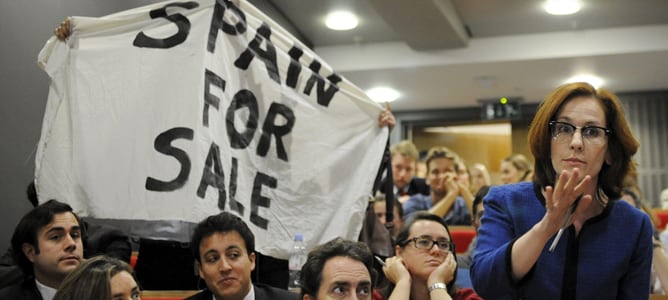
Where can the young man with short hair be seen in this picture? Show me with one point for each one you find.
(224, 250)
(100, 239)
(404, 158)
(48, 243)
(448, 198)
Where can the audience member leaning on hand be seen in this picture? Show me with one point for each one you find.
(582, 145)
(448, 198)
(425, 266)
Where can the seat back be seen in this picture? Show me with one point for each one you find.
(462, 236)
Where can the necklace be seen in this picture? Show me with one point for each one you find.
(601, 198)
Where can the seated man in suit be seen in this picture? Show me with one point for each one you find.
(100, 239)
(224, 250)
(404, 164)
(48, 243)
(338, 269)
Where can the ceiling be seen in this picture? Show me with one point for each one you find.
(453, 53)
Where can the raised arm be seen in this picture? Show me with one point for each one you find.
(386, 118)
(558, 200)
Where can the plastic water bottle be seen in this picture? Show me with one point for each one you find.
(297, 259)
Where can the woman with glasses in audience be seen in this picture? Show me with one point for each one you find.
(425, 266)
(564, 235)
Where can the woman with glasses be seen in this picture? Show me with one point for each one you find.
(564, 235)
(425, 266)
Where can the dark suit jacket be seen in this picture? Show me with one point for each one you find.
(418, 186)
(154, 274)
(102, 239)
(25, 290)
(262, 292)
(10, 273)
(415, 186)
(99, 240)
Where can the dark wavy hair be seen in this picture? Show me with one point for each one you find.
(622, 145)
(221, 223)
(477, 199)
(311, 274)
(26, 231)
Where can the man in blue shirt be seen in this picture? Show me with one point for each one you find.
(447, 198)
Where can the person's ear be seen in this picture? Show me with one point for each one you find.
(398, 250)
(29, 251)
(198, 266)
(251, 257)
(608, 158)
(308, 297)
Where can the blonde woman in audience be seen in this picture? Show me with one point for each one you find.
(463, 175)
(421, 169)
(515, 168)
(664, 198)
(479, 177)
(100, 278)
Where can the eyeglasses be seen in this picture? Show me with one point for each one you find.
(425, 242)
(563, 132)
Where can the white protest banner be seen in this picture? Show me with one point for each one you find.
(169, 113)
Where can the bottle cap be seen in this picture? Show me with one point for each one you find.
(299, 237)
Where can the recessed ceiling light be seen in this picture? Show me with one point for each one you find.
(595, 81)
(383, 94)
(562, 7)
(341, 20)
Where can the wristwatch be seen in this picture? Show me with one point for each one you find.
(438, 285)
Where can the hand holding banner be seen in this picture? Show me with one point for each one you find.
(165, 114)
